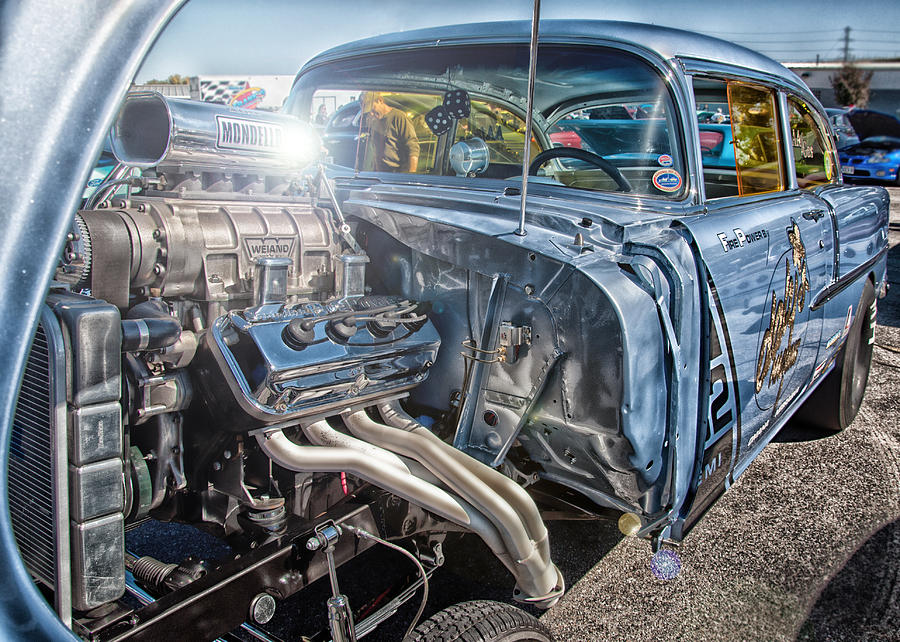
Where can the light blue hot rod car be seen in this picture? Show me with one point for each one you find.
(467, 321)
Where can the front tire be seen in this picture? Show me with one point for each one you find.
(481, 621)
(835, 403)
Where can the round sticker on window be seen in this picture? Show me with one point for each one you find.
(667, 180)
(665, 160)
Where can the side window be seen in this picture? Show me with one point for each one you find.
(757, 149)
(636, 141)
(813, 162)
(739, 141)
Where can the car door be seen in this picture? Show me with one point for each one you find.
(763, 243)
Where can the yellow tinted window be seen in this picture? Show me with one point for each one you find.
(812, 158)
(754, 129)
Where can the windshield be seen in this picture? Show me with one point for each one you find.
(460, 111)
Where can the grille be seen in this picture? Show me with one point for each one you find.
(38, 487)
(31, 475)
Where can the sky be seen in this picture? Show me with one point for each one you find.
(211, 37)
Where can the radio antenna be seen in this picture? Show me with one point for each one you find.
(529, 107)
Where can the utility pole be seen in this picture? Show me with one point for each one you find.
(846, 44)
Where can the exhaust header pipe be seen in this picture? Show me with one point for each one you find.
(407, 460)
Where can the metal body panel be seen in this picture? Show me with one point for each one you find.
(762, 271)
(861, 217)
(665, 42)
(603, 417)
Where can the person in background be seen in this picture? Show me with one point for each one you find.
(392, 145)
(322, 115)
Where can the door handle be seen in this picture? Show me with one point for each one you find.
(813, 215)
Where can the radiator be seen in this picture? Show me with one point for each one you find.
(66, 462)
(38, 489)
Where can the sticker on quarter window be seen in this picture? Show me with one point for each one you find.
(667, 180)
(665, 160)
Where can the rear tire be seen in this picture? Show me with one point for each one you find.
(835, 403)
(481, 621)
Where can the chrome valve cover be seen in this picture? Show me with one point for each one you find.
(290, 361)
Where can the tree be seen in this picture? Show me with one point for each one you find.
(174, 79)
(851, 85)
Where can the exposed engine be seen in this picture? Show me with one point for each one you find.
(232, 362)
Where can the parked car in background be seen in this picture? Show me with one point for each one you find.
(306, 361)
(877, 154)
(843, 130)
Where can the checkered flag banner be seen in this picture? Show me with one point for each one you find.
(221, 91)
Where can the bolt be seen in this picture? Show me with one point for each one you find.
(157, 233)
(217, 465)
(227, 454)
(262, 608)
(142, 208)
(313, 544)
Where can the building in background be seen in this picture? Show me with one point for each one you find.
(250, 92)
(885, 85)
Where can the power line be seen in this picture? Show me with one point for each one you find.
(769, 33)
(782, 40)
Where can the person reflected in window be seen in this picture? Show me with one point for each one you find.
(322, 115)
(392, 144)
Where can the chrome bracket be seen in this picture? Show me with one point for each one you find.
(340, 617)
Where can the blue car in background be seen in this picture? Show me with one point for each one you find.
(877, 155)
